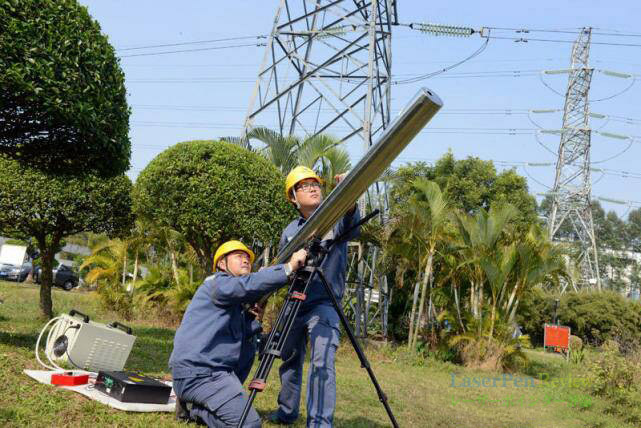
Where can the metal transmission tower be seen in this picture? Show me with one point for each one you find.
(327, 69)
(571, 209)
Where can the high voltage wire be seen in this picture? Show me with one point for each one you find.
(485, 32)
(414, 78)
(509, 130)
(194, 50)
(456, 111)
(578, 30)
(263, 36)
(528, 39)
(198, 42)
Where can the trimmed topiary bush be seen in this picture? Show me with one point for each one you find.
(211, 192)
(63, 100)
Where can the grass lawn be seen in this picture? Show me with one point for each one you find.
(420, 395)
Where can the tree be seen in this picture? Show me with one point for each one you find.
(470, 185)
(63, 100)
(48, 207)
(319, 152)
(211, 192)
(487, 258)
(422, 225)
(108, 268)
(634, 230)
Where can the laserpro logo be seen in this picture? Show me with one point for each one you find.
(507, 380)
(524, 391)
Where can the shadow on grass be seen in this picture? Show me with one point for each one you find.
(360, 421)
(552, 367)
(19, 340)
(7, 415)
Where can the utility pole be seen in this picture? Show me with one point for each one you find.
(572, 184)
(327, 68)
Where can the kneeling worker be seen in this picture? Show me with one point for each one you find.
(214, 347)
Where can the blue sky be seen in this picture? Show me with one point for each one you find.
(161, 86)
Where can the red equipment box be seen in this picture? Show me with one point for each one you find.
(69, 379)
(556, 336)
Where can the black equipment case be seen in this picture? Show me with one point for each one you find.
(131, 387)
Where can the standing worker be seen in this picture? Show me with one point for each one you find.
(317, 319)
(214, 346)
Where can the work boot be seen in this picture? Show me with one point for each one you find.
(182, 412)
(275, 419)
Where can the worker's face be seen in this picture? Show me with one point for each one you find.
(236, 263)
(308, 193)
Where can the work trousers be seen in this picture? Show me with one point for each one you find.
(319, 324)
(218, 400)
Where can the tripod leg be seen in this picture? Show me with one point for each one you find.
(361, 355)
(278, 337)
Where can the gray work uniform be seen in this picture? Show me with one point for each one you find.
(317, 320)
(214, 346)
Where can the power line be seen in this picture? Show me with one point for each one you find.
(444, 70)
(525, 40)
(578, 30)
(198, 42)
(194, 50)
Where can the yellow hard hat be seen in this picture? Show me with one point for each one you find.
(229, 247)
(297, 174)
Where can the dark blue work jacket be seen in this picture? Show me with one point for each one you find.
(335, 264)
(215, 333)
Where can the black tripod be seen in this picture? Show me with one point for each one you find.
(316, 252)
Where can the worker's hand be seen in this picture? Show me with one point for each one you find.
(258, 311)
(298, 260)
(339, 177)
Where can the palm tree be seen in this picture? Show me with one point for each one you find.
(281, 151)
(418, 228)
(107, 262)
(480, 247)
(319, 152)
(540, 261)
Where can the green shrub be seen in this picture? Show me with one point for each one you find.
(114, 297)
(616, 378)
(535, 310)
(576, 344)
(596, 317)
(593, 317)
(211, 192)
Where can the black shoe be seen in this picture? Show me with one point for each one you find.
(182, 412)
(275, 419)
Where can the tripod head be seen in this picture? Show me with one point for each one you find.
(317, 248)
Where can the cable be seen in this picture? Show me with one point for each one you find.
(634, 79)
(194, 50)
(167, 45)
(37, 350)
(435, 73)
(534, 179)
(525, 40)
(615, 156)
(528, 30)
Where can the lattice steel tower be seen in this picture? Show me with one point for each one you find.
(571, 216)
(327, 69)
